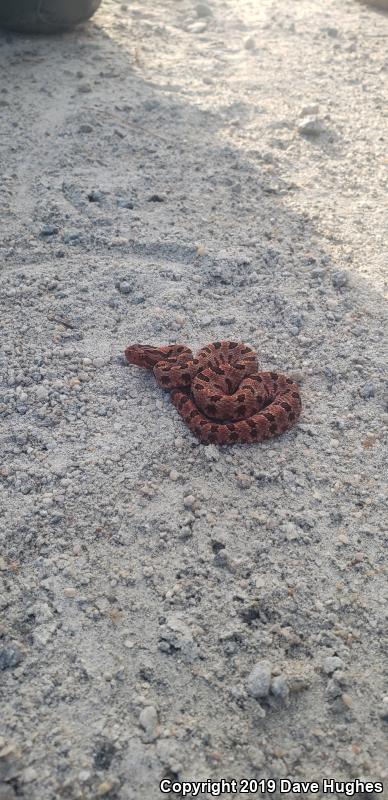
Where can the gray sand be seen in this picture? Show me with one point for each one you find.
(184, 171)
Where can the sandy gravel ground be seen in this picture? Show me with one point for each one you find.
(192, 171)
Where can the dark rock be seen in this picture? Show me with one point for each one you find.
(10, 657)
(103, 754)
(48, 230)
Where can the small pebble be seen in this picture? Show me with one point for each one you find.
(340, 279)
(367, 391)
(332, 32)
(244, 481)
(149, 720)
(249, 43)
(347, 700)
(203, 10)
(124, 287)
(331, 664)
(95, 196)
(28, 775)
(197, 27)
(259, 679)
(189, 501)
(104, 788)
(84, 775)
(10, 657)
(48, 230)
(257, 757)
(69, 591)
(279, 687)
(296, 375)
(310, 126)
(42, 393)
(212, 453)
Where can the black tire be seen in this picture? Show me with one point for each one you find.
(45, 16)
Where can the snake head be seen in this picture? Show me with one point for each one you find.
(143, 355)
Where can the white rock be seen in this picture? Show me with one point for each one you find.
(149, 720)
(189, 501)
(310, 126)
(279, 687)
(99, 362)
(197, 27)
(259, 679)
(41, 393)
(331, 663)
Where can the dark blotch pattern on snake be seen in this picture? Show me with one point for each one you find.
(220, 393)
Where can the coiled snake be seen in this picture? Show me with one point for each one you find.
(220, 394)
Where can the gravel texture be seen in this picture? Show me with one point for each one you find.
(181, 171)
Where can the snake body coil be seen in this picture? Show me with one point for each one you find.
(220, 393)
